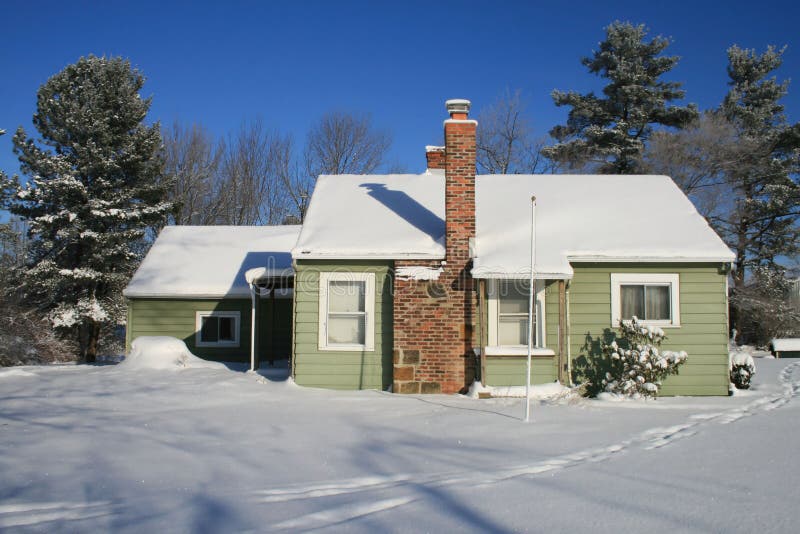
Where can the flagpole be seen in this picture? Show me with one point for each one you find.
(531, 325)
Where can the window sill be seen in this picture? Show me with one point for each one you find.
(346, 348)
(519, 351)
(616, 324)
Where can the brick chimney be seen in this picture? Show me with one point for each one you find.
(459, 196)
(433, 320)
(435, 157)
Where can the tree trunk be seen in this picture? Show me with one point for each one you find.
(88, 337)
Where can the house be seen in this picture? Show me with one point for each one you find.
(419, 282)
(192, 285)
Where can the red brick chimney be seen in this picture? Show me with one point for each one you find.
(459, 196)
(435, 157)
(434, 319)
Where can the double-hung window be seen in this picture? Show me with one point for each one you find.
(217, 329)
(651, 298)
(347, 311)
(508, 314)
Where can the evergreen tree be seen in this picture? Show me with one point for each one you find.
(92, 192)
(761, 224)
(739, 163)
(609, 132)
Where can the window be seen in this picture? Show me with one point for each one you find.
(652, 298)
(346, 311)
(217, 329)
(508, 313)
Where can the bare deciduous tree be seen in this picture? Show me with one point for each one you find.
(255, 176)
(505, 143)
(253, 192)
(698, 158)
(192, 159)
(345, 143)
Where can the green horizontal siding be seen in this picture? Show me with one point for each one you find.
(177, 318)
(511, 371)
(703, 333)
(341, 369)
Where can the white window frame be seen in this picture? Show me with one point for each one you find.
(369, 310)
(494, 316)
(671, 279)
(237, 326)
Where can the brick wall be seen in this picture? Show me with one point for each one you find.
(434, 320)
(435, 157)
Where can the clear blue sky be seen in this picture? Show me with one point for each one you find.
(219, 63)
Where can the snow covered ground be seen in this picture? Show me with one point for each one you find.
(110, 448)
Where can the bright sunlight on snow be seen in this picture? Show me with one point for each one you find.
(118, 448)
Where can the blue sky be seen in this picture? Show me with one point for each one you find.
(219, 63)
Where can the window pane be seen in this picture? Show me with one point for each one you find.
(658, 303)
(349, 329)
(209, 331)
(345, 296)
(513, 296)
(226, 329)
(632, 301)
(512, 331)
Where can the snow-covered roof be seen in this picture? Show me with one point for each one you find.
(375, 217)
(586, 218)
(791, 344)
(578, 218)
(211, 261)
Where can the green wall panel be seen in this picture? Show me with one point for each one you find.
(341, 369)
(177, 318)
(703, 333)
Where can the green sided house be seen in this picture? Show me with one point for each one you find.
(193, 285)
(419, 283)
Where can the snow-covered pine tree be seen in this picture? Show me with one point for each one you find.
(91, 194)
(609, 132)
(761, 225)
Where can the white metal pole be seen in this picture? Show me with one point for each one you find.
(252, 327)
(531, 324)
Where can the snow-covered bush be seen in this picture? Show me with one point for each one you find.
(26, 338)
(742, 369)
(636, 363)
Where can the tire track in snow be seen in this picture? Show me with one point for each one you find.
(650, 439)
(334, 516)
(32, 514)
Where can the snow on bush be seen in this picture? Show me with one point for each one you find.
(163, 352)
(742, 368)
(637, 364)
(27, 339)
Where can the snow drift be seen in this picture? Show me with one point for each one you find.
(164, 352)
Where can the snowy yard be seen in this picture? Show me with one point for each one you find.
(110, 448)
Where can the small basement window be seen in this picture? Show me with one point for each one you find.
(651, 298)
(217, 329)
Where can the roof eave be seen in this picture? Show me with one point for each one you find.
(600, 258)
(367, 256)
